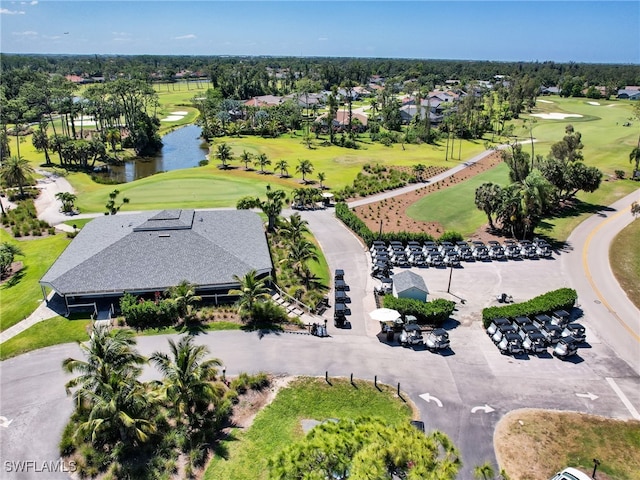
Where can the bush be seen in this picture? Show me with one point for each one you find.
(434, 312)
(619, 174)
(561, 299)
(140, 313)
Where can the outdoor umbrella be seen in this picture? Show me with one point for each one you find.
(384, 315)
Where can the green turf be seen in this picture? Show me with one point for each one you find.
(624, 257)
(44, 334)
(454, 207)
(278, 424)
(21, 295)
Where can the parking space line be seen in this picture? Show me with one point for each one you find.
(614, 386)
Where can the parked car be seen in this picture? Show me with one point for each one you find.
(495, 323)
(511, 344)
(437, 339)
(571, 474)
(534, 342)
(411, 335)
(576, 331)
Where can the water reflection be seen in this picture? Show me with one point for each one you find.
(182, 148)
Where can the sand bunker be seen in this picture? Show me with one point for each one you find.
(593, 103)
(172, 118)
(85, 120)
(545, 101)
(179, 113)
(556, 115)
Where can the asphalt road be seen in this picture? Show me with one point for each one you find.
(464, 394)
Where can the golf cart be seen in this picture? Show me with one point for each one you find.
(411, 335)
(566, 347)
(495, 323)
(535, 343)
(437, 339)
(511, 344)
(576, 331)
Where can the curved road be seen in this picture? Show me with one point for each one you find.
(464, 394)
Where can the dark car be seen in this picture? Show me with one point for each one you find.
(511, 344)
(495, 323)
(576, 331)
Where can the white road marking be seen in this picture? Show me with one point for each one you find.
(5, 422)
(588, 395)
(427, 398)
(486, 408)
(632, 410)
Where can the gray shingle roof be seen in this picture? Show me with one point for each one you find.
(403, 281)
(152, 251)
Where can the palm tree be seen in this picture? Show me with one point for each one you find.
(224, 154)
(8, 252)
(67, 199)
(321, 178)
(484, 471)
(251, 291)
(262, 161)
(294, 228)
(300, 252)
(184, 297)
(16, 171)
(246, 158)
(107, 352)
(112, 137)
(187, 379)
(119, 411)
(282, 166)
(304, 167)
(40, 141)
(634, 157)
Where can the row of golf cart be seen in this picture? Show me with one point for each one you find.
(535, 335)
(385, 255)
(409, 333)
(341, 299)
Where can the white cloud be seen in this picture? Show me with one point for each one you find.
(26, 33)
(6, 11)
(34, 2)
(323, 39)
(185, 37)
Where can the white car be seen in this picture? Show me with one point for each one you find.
(571, 474)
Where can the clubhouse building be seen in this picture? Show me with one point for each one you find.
(146, 253)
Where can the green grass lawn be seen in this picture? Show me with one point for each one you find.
(44, 334)
(454, 207)
(624, 256)
(20, 297)
(277, 425)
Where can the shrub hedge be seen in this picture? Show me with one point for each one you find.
(140, 313)
(360, 228)
(434, 312)
(561, 299)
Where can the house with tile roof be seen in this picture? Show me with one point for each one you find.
(151, 251)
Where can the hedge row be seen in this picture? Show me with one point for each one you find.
(140, 313)
(434, 312)
(561, 299)
(360, 228)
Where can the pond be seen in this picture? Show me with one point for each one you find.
(182, 148)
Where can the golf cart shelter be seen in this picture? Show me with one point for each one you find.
(409, 285)
(149, 252)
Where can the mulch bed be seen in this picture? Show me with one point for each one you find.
(393, 210)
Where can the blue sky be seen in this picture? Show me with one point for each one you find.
(578, 31)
